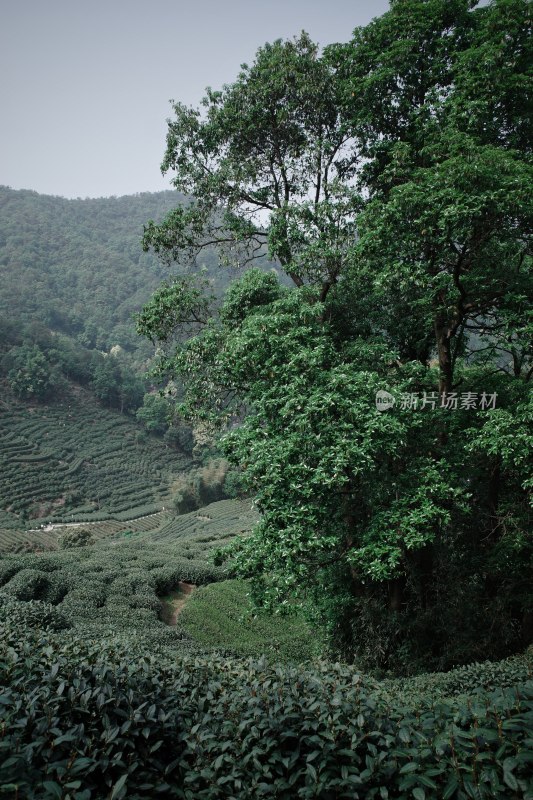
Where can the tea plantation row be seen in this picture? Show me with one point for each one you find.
(74, 460)
(210, 527)
(100, 699)
(106, 587)
(115, 583)
(35, 540)
(105, 718)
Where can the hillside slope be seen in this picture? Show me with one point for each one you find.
(73, 460)
(77, 265)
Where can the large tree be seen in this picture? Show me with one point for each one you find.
(370, 174)
(30, 376)
(268, 164)
(447, 166)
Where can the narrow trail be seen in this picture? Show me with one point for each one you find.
(172, 603)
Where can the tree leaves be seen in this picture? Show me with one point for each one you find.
(404, 230)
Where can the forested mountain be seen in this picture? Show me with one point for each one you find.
(72, 276)
(77, 265)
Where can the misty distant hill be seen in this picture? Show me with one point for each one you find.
(77, 266)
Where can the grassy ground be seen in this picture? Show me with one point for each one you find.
(220, 615)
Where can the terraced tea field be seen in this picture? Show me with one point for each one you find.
(48, 538)
(209, 527)
(195, 534)
(74, 461)
(143, 574)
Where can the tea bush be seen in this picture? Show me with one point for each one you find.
(33, 614)
(100, 699)
(113, 585)
(80, 724)
(488, 676)
(17, 541)
(204, 530)
(28, 584)
(88, 719)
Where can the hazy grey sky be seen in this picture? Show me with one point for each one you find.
(86, 84)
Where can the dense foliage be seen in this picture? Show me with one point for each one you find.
(76, 269)
(72, 274)
(91, 719)
(37, 364)
(394, 188)
(75, 265)
(101, 699)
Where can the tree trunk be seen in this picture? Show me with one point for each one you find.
(494, 497)
(396, 592)
(527, 628)
(349, 519)
(426, 575)
(443, 336)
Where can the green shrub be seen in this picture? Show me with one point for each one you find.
(84, 602)
(488, 676)
(33, 614)
(186, 500)
(8, 568)
(32, 584)
(77, 537)
(118, 722)
(115, 583)
(101, 718)
(233, 484)
(28, 584)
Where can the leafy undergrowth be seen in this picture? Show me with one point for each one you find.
(101, 699)
(88, 719)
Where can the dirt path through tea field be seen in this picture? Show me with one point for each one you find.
(173, 602)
